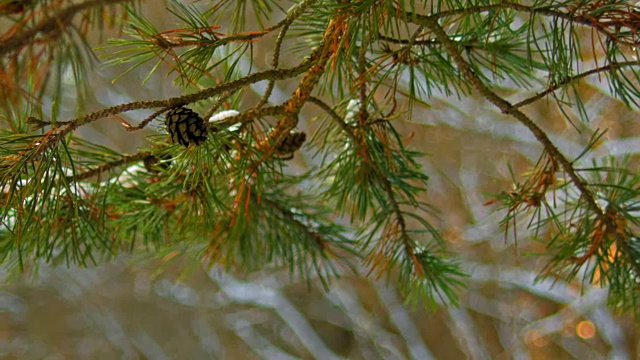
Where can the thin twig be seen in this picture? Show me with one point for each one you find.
(296, 12)
(362, 87)
(379, 173)
(324, 106)
(554, 87)
(221, 100)
(146, 121)
(426, 42)
(275, 61)
(321, 244)
(293, 105)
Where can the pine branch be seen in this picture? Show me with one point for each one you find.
(420, 267)
(591, 239)
(604, 19)
(318, 55)
(227, 190)
(293, 105)
(508, 109)
(97, 171)
(335, 117)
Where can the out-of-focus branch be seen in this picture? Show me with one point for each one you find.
(127, 159)
(51, 26)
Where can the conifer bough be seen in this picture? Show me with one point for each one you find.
(366, 65)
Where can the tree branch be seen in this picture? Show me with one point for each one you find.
(127, 159)
(554, 87)
(573, 16)
(431, 22)
(50, 25)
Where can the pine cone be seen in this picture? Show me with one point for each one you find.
(185, 126)
(291, 142)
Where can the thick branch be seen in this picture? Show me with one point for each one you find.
(293, 105)
(201, 95)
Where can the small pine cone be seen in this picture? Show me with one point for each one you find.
(185, 126)
(291, 142)
(153, 165)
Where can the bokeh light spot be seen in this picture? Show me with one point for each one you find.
(586, 329)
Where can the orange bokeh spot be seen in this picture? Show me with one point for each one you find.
(586, 329)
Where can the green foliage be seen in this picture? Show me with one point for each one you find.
(363, 200)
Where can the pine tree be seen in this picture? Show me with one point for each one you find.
(213, 181)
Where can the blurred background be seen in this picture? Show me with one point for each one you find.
(128, 309)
